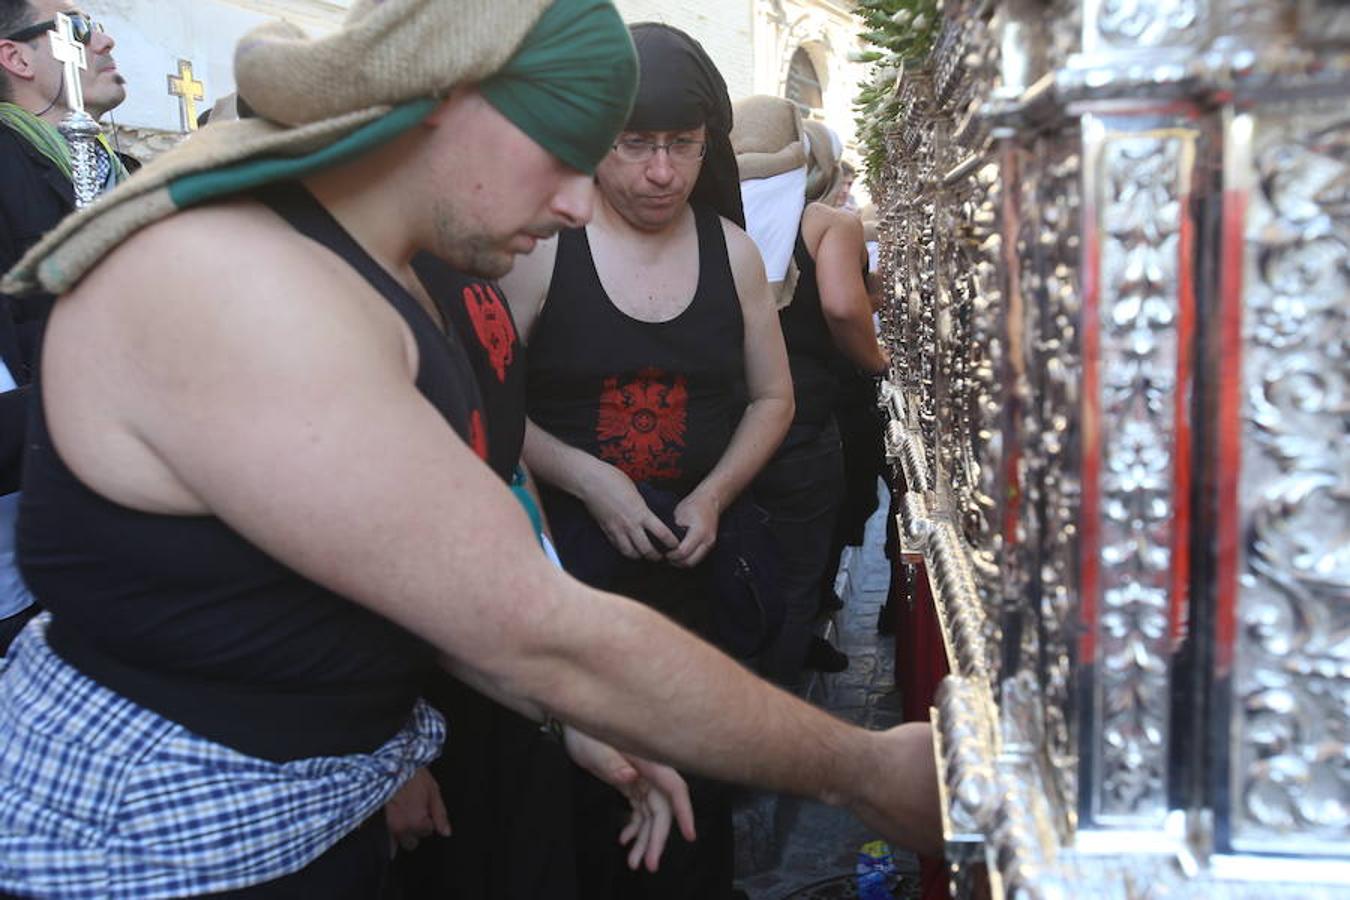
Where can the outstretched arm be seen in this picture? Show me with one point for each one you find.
(288, 409)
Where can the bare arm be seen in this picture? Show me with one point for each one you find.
(609, 494)
(767, 415)
(273, 403)
(844, 298)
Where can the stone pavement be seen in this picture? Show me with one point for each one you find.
(812, 842)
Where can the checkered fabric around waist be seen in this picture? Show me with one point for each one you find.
(102, 798)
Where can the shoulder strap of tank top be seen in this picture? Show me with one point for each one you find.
(572, 283)
(298, 207)
(712, 244)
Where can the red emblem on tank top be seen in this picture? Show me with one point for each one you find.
(492, 325)
(641, 424)
(478, 435)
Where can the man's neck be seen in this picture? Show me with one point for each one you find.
(369, 208)
(56, 115)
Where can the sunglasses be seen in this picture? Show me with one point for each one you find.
(82, 28)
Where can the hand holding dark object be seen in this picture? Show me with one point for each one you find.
(629, 524)
(697, 515)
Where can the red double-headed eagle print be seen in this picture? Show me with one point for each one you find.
(640, 427)
(492, 325)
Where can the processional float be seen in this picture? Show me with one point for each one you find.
(1114, 242)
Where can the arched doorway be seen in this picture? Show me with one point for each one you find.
(803, 82)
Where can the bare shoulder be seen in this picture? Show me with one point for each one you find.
(219, 274)
(740, 246)
(819, 220)
(199, 326)
(747, 265)
(526, 285)
(197, 256)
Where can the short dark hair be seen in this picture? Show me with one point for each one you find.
(14, 14)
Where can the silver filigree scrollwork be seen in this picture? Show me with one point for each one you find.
(1141, 212)
(1292, 688)
(1149, 23)
(1059, 360)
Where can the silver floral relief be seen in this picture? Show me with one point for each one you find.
(1140, 225)
(1292, 679)
(1060, 362)
(982, 452)
(1134, 24)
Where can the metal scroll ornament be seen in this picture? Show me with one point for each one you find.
(1291, 772)
(1116, 236)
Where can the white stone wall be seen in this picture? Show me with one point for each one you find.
(723, 27)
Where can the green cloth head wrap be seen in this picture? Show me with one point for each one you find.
(563, 71)
(571, 84)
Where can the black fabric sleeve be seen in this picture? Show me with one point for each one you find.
(13, 420)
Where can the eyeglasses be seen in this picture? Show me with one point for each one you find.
(82, 28)
(639, 150)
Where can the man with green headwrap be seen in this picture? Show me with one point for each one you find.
(255, 509)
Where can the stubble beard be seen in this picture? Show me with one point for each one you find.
(469, 252)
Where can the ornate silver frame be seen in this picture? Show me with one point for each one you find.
(1117, 235)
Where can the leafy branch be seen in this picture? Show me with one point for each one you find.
(899, 32)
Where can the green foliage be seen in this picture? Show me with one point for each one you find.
(900, 32)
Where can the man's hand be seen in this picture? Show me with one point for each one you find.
(630, 525)
(699, 514)
(416, 811)
(897, 793)
(653, 790)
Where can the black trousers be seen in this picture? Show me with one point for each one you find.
(11, 626)
(702, 870)
(507, 789)
(352, 869)
(802, 488)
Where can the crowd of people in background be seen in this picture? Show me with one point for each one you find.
(359, 418)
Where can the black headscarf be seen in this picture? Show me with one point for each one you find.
(680, 88)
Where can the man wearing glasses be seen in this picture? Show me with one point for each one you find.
(658, 387)
(36, 193)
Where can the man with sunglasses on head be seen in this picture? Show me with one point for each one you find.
(658, 387)
(35, 193)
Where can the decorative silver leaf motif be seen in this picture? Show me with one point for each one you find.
(1149, 23)
(1140, 223)
(1291, 775)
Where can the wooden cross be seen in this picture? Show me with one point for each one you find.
(188, 91)
(70, 54)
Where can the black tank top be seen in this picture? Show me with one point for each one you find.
(812, 356)
(478, 313)
(659, 400)
(186, 617)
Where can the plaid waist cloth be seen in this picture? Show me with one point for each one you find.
(100, 797)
